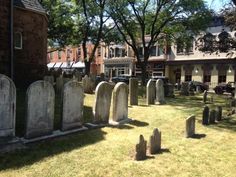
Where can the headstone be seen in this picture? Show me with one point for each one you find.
(78, 76)
(218, 113)
(120, 102)
(190, 126)
(205, 116)
(49, 79)
(40, 109)
(212, 117)
(205, 96)
(59, 84)
(7, 107)
(150, 92)
(169, 90)
(101, 109)
(133, 91)
(155, 142)
(198, 89)
(141, 149)
(87, 84)
(73, 102)
(160, 97)
(184, 90)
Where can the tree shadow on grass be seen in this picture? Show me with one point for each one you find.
(88, 114)
(198, 136)
(48, 148)
(138, 123)
(122, 126)
(226, 123)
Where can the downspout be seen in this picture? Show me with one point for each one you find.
(11, 43)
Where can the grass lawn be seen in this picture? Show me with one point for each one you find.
(108, 152)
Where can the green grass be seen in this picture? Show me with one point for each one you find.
(108, 152)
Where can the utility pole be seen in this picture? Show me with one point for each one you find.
(11, 42)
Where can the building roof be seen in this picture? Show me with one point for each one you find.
(30, 5)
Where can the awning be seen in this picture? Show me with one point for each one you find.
(58, 65)
(67, 64)
(51, 65)
(78, 65)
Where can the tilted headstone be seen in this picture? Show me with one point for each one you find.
(169, 90)
(87, 84)
(120, 102)
(184, 90)
(155, 142)
(205, 116)
(49, 79)
(218, 113)
(59, 84)
(205, 96)
(160, 97)
(212, 117)
(133, 91)
(141, 149)
(190, 126)
(150, 92)
(101, 109)
(73, 103)
(40, 109)
(7, 107)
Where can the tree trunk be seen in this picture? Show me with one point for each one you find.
(87, 67)
(144, 73)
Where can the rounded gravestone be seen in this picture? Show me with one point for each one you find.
(160, 97)
(150, 92)
(205, 116)
(133, 91)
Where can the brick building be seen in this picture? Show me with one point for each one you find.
(24, 22)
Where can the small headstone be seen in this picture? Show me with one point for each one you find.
(212, 117)
(120, 102)
(150, 92)
(190, 126)
(87, 84)
(73, 102)
(7, 107)
(141, 149)
(184, 90)
(101, 109)
(169, 90)
(133, 91)
(205, 96)
(198, 89)
(40, 109)
(218, 113)
(205, 116)
(155, 142)
(160, 97)
(49, 79)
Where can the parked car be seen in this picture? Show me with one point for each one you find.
(194, 84)
(225, 87)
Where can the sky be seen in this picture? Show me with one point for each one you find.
(217, 4)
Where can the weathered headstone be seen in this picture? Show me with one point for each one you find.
(212, 117)
(160, 97)
(59, 84)
(155, 142)
(198, 89)
(78, 76)
(7, 107)
(169, 90)
(73, 102)
(133, 91)
(141, 149)
(40, 109)
(205, 96)
(49, 79)
(87, 84)
(205, 116)
(218, 113)
(184, 90)
(120, 102)
(190, 126)
(101, 109)
(150, 92)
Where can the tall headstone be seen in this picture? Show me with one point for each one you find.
(212, 117)
(87, 84)
(49, 79)
(73, 102)
(218, 113)
(141, 149)
(184, 90)
(59, 84)
(101, 109)
(150, 92)
(155, 142)
(190, 126)
(205, 96)
(40, 109)
(120, 102)
(133, 91)
(205, 116)
(7, 107)
(160, 97)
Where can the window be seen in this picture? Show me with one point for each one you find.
(222, 76)
(18, 40)
(207, 76)
(51, 56)
(59, 54)
(79, 52)
(224, 41)
(68, 53)
(160, 51)
(153, 51)
(99, 51)
(185, 45)
(180, 47)
(188, 75)
(208, 42)
(189, 45)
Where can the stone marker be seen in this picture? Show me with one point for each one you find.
(73, 103)
(155, 142)
(133, 91)
(141, 149)
(198, 89)
(40, 109)
(205, 96)
(169, 90)
(184, 90)
(150, 92)
(101, 109)
(49, 79)
(190, 126)
(160, 97)
(87, 84)
(59, 84)
(205, 116)
(212, 117)
(7, 107)
(120, 102)
(78, 76)
(218, 113)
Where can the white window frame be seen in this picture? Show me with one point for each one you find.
(21, 42)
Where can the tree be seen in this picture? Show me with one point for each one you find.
(145, 22)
